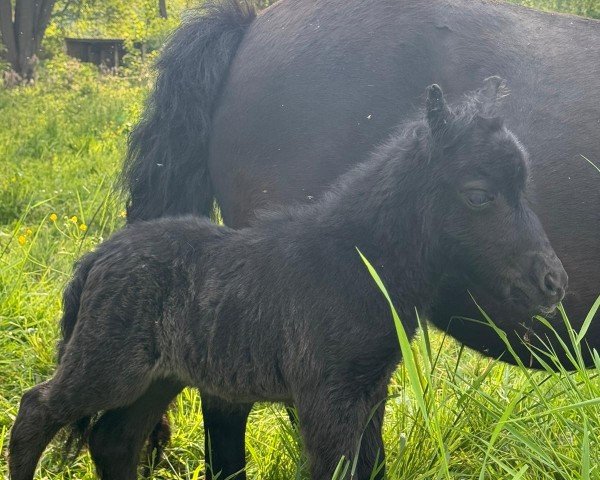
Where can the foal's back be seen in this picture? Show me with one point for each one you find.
(194, 294)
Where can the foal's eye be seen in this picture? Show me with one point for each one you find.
(478, 198)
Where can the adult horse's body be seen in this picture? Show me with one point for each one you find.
(314, 85)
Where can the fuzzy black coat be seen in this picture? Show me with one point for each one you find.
(285, 310)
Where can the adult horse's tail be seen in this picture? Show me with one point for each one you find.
(166, 169)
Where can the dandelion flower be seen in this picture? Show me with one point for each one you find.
(22, 239)
(53, 217)
(73, 219)
(123, 214)
(83, 227)
(28, 232)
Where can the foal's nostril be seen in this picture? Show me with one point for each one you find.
(552, 283)
(546, 284)
(550, 276)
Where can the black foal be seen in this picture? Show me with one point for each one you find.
(285, 310)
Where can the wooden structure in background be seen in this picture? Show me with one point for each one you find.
(100, 51)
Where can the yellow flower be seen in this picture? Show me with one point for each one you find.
(73, 219)
(53, 217)
(123, 214)
(22, 239)
(28, 232)
(83, 227)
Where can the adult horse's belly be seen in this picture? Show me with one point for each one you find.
(314, 87)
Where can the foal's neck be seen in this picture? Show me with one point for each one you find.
(379, 208)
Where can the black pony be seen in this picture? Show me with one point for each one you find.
(284, 310)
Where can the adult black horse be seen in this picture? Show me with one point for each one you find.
(255, 111)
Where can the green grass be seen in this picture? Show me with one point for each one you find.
(531, 425)
(451, 413)
(586, 8)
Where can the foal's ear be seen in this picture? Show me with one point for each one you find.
(438, 112)
(491, 94)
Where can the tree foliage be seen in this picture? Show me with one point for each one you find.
(136, 20)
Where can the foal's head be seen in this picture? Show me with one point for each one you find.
(482, 227)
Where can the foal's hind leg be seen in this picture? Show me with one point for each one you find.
(118, 437)
(34, 427)
(85, 383)
(224, 437)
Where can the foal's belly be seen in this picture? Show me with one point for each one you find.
(239, 392)
(237, 361)
(242, 376)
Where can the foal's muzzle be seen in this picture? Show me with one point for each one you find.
(544, 287)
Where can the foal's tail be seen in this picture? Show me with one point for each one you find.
(71, 302)
(72, 299)
(166, 171)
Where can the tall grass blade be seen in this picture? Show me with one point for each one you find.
(407, 354)
(588, 320)
(591, 163)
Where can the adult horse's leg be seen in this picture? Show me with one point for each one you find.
(224, 437)
(118, 437)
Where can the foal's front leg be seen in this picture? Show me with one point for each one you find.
(332, 426)
(224, 437)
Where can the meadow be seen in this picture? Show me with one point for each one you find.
(451, 414)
